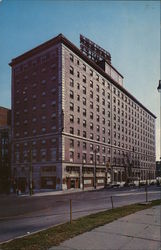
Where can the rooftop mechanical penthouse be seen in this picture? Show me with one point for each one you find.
(74, 125)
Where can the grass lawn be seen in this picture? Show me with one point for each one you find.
(55, 235)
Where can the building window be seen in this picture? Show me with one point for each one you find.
(84, 134)
(84, 79)
(84, 157)
(91, 136)
(98, 159)
(71, 118)
(91, 125)
(91, 147)
(84, 67)
(71, 156)
(71, 70)
(43, 81)
(43, 142)
(71, 106)
(71, 94)
(84, 101)
(91, 94)
(97, 98)
(84, 90)
(84, 123)
(98, 128)
(91, 84)
(78, 86)
(53, 116)
(34, 131)
(91, 158)
(84, 146)
(91, 115)
(84, 112)
(91, 105)
(53, 103)
(43, 129)
(78, 74)
(71, 143)
(91, 72)
(78, 97)
(103, 81)
(71, 57)
(71, 82)
(71, 130)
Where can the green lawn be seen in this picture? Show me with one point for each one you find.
(55, 235)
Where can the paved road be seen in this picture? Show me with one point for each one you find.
(23, 215)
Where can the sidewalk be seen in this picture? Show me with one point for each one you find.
(139, 231)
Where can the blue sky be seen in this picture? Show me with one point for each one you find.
(129, 30)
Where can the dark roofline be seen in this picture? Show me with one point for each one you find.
(36, 50)
(62, 39)
(5, 108)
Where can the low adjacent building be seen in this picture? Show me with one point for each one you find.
(5, 150)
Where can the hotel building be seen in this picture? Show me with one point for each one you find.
(73, 122)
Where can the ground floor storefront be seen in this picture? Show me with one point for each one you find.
(71, 176)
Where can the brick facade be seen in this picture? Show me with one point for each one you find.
(70, 119)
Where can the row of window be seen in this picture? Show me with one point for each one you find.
(32, 63)
(34, 131)
(115, 90)
(116, 143)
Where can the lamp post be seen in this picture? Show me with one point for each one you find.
(81, 175)
(30, 173)
(159, 90)
(95, 152)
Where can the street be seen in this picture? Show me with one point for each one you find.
(22, 215)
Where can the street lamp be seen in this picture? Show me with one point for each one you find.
(81, 175)
(30, 173)
(95, 152)
(159, 90)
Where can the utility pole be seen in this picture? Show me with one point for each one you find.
(31, 173)
(95, 151)
(81, 175)
(159, 90)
